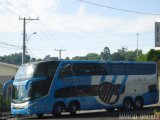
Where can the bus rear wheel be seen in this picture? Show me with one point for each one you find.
(73, 107)
(138, 104)
(127, 104)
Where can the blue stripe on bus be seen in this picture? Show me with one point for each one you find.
(123, 84)
(103, 78)
(114, 78)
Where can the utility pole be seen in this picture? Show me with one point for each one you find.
(137, 45)
(60, 51)
(24, 35)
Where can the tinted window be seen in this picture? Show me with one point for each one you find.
(83, 69)
(133, 69)
(75, 91)
(40, 88)
(118, 69)
(102, 69)
(86, 69)
(141, 69)
(69, 70)
(46, 69)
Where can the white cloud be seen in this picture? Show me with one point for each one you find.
(139, 24)
(79, 22)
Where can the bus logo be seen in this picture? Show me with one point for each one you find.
(108, 93)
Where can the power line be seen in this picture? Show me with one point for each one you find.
(50, 34)
(9, 44)
(118, 9)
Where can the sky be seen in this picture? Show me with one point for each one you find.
(76, 26)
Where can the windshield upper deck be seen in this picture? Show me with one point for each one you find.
(32, 70)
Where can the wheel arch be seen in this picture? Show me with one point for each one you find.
(60, 103)
(128, 97)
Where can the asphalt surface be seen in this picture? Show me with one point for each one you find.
(146, 114)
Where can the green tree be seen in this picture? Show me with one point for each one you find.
(67, 58)
(93, 56)
(105, 55)
(117, 57)
(142, 57)
(130, 56)
(15, 58)
(153, 55)
(33, 59)
(79, 58)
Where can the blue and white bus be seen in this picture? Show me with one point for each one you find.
(56, 86)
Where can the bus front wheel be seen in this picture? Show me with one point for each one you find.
(57, 109)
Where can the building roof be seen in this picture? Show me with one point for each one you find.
(10, 65)
(4, 79)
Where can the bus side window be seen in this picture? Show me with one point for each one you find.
(69, 70)
(132, 69)
(118, 69)
(101, 69)
(65, 70)
(86, 69)
(40, 71)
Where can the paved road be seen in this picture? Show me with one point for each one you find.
(145, 114)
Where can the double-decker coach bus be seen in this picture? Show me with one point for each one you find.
(56, 86)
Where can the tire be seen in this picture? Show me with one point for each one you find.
(73, 107)
(57, 109)
(39, 115)
(138, 104)
(127, 104)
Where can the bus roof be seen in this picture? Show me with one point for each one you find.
(94, 61)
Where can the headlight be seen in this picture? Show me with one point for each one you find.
(20, 105)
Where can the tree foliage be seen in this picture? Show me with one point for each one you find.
(14, 58)
(121, 55)
(93, 56)
(105, 54)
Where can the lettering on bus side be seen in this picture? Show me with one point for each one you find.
(81, 80)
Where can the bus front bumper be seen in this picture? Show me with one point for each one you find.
(21, 109)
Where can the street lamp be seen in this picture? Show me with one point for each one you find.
(137, 44)
(30, 37)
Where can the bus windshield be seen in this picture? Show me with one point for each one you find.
(45, 69)
(25, 71)
(42, 72)
(20, 94)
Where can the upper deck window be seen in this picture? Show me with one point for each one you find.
(83, 69)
